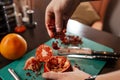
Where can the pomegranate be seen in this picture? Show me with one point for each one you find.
(57, 64)
(43, 53)
(32, 64)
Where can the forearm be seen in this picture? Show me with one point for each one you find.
(89, 0)
(109, 76)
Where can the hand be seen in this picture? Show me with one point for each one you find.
(75, 75)
(57, 14)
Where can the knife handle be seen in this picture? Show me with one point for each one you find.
(105, 53)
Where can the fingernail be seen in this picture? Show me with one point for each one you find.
(58, 29)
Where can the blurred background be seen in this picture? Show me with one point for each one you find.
(99, 15)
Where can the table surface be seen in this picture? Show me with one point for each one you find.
(38, 35)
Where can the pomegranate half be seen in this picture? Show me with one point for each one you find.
(58, 64)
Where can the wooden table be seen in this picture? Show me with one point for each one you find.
(38, 35)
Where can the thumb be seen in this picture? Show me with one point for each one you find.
(75, 69)
(52, 75)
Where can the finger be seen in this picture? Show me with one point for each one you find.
(49, 23)
(52, 75)
(65, 24)
(58, 21)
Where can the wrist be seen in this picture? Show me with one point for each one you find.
(91, 78)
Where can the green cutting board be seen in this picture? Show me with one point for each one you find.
(92, 67)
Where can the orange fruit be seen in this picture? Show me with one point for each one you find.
(13, 46)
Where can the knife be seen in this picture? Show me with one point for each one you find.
(90, 57)
(12, 72)
(77, 52)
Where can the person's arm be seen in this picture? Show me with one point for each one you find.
(109, 76)
(57, 14)
(77, 74)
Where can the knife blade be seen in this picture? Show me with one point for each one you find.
(87, 53)
(90, 57)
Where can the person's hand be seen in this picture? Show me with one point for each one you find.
(57, 14)
(76, 74)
